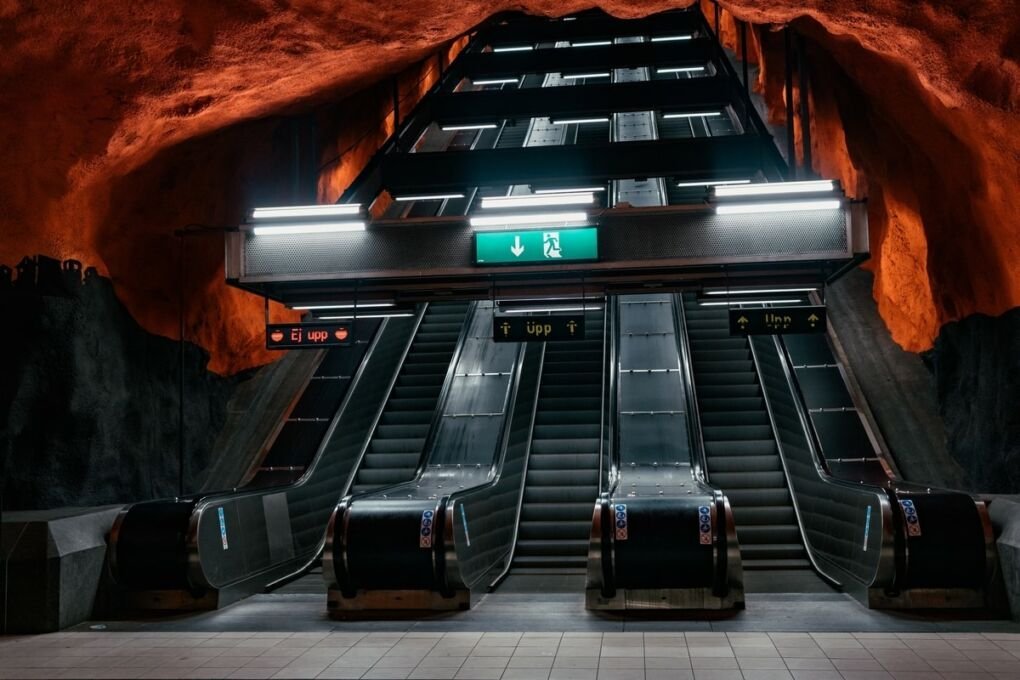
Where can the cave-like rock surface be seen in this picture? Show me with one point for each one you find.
(125, 120)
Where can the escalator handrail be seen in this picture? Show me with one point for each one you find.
(194, 561)
(888, 539)
(699, 460)
(608, 431)
(524, 473)
(496, 469)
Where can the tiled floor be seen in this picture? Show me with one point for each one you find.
(515, 656)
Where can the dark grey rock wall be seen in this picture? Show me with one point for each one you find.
(89, 400)
(977, 373)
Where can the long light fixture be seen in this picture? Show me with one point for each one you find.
(468, 126)
(578, 76)
(592, 43)
(578, 121)
(695, 114)
(427, 197)
(780, 206)
(287, 212)
(538, 200)
(537, 219)
(680, 69)
(569, 190)
(776, 188)
(278, 229)
(549, 310)
(496, 81)
(712, 183)
(671, 38)
(372, 315)
(760, 291)
(514, 48)
(732, 303)
(349, 305)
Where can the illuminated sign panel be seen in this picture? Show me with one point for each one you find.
(307, 335)
(546, 327)
(537, 246)
(778, 320)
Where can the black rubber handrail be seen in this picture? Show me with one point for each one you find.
(699, 460)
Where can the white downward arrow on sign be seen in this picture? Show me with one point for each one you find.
(517, 249)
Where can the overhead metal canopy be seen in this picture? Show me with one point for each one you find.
(691, 158)
(628, 55)
(581, 100)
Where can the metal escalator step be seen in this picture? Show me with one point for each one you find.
(746, 391)
(385, 445)
(567, 431)
(569, 391)
(566, 417)
(418, 392)
(384, 476)
(561, 494)
(563, 477)
(590, 378)
(735, 433)
(416, 431)
(411, 404)
(772, 551)
(579, 445)
(727, 378)
(425, 369)
(719, 464)
(554, 512)
(564, 461)
(406, 418)
(746, 447)
(713, 355)
(734, 417)
(750, 534)
(538, 564)
(752, 515)
(713, 367)
(758, 564)
(557, 405)
(756, 497)
(734, 481)
(712, 405)
(553, 547)
(578, 530)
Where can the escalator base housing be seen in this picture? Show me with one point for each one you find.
(665, 598)
(396, 600)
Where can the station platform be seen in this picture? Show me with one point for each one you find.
(519, 633)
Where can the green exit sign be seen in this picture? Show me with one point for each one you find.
(531, 246)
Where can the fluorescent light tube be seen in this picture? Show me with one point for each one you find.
(592, 43)
(374, 315)
(468, 126)
(713, 182)
(577, 76)
(497, 81)
(696, 114)
(328, 210)
(569, 19)
(671, 38)
(426, 197)
(784, 206)
(307, 228)
(359, 305)
(732, 303)
(774, 188)
(680, 69)
(760, 291)
(514, 48)
(538, 219)
(569, 190)
(537, 200)
(547, 310)
(578, 121)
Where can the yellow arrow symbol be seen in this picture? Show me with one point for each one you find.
(812, 318)
(742, 320)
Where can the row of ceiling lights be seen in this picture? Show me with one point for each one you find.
(665, 70)
(593, 43)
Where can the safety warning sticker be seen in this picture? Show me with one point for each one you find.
(425, 534)
(223, 527)
(620, 511)
(705, 525)
(910, 515)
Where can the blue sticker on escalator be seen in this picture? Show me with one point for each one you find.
(620, 517)
(910, 516)
(704, 525)
(425, 534)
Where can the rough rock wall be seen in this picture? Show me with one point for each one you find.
(89, 401)
(101, 98)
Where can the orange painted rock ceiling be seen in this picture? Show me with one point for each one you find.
(123, 121)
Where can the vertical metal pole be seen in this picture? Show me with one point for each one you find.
(805, 108)
(791, 143)
(180, 374)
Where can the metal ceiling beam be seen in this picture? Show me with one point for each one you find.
(685, 158)
(484, 64)
(579, 100)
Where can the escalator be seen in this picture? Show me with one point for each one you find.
(740, 447)
(562, 478)
(395, 448)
